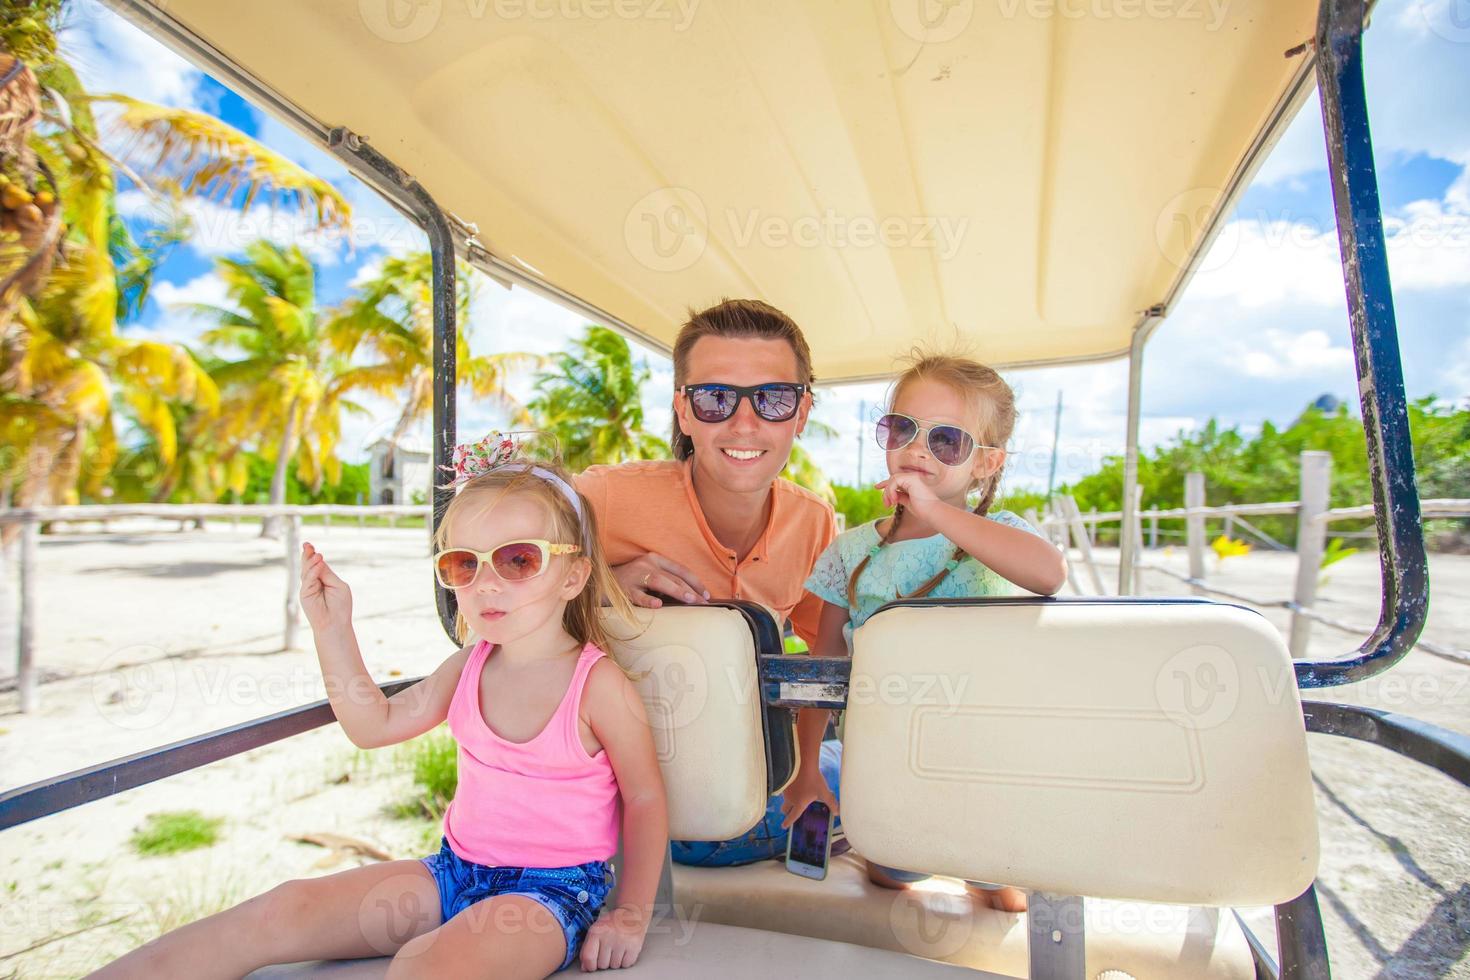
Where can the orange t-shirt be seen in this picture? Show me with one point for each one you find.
(650, 506)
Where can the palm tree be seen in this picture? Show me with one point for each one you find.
(802, 470)
(392, 320)
(589, 401)
(71, 273)
(288, 388)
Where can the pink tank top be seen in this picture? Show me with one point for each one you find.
(539, 804)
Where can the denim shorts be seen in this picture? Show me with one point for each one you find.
(573, 895)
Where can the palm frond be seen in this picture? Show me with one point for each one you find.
(210, 158)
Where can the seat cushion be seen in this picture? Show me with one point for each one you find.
(706, 949)
(938, 920)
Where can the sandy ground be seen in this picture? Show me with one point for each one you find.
(148, 635)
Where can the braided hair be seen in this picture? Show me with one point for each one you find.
(995, 405)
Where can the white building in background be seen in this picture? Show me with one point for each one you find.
(399, 477)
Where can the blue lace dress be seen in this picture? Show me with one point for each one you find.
(899, 568)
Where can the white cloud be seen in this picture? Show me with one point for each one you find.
(1276, 354)
(1262, 262)
(207, 288)
(220, 230)
(176, 325)
(111, 55)
(1429, 245)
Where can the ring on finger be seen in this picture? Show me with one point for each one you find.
(646, 577)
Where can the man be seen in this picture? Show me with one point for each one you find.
(717, 521)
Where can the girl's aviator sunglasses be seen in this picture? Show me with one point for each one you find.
(774, 401)
(514, 561)
(949, 444)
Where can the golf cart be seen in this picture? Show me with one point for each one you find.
(1039, 183)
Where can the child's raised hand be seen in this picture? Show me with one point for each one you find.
(615, 939)
(910, 490)
(325, 598)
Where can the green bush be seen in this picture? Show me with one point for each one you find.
(434, 758)
(1266, 467)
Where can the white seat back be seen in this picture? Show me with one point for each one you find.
(695, 668)
(1135, 750)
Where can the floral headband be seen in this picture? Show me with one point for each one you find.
(498, 451)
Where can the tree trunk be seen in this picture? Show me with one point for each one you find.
(270, 527)
(417, 396)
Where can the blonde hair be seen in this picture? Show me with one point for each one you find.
(734, 318)
(994, 405)
(582, 618)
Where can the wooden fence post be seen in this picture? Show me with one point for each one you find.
(1311, 540)
(25, 666)
(1137, 541)
(1194, 524)
(1092, 527)
(8, 625)
(1153, 528)
(293, 580)
(1073, 516)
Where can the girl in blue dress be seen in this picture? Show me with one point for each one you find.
(944, 434)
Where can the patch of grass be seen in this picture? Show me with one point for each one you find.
(176, 831)
(434, 759)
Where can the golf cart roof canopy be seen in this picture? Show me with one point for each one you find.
(1031, 180)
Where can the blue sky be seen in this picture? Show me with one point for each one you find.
(1261, 331)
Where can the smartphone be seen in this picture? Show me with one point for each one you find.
(810, 845)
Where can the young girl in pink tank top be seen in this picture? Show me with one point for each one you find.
(555, 759)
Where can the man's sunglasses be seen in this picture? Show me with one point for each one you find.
(949, 444)
(774, 401)
(514, 561)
